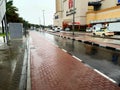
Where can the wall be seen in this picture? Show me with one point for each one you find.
(81, 9)
(108, 3)
(113, 12)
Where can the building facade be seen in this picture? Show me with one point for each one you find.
(103, 11)
(64, 13)
(58, 14)
(87, 12)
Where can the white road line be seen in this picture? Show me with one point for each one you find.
(77, 58)
(104, 76)
(64, 50)
(88, 66)
(93, 69)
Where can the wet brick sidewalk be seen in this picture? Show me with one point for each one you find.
(11, 62)
(53, 69)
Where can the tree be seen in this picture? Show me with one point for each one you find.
(13, 16)
(11, 12)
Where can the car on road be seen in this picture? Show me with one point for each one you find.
(89, 29)
(57, 29)
(67, 29)
(103, 32)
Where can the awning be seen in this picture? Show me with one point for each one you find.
(66, 22)
(75, 23)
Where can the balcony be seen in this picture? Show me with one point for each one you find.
(94, 3)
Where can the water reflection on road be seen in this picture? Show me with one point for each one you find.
(11, 61)
(105, 60)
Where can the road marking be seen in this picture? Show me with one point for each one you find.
(92, 67)
(77, 58)
(88, 66)
(105, 76)
(64, 50)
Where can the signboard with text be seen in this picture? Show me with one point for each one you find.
(70, 4)
(16, 30)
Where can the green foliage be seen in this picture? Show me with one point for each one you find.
(11, 12)
(1, 34)
(13, 16)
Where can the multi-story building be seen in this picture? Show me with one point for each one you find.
(103, 11)
(64, 13)
(58, 15)
(87, 12)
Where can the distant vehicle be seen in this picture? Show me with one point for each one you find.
(67, 29)
(102, 32)
(89, 29)
(57, 29)
(115, 27)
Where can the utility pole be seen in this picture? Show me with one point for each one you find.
(73, 26)
(43, 18)
(40, 23)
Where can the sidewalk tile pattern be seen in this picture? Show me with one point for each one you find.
(53, 69)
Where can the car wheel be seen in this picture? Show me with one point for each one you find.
(103, 35)
(94, 34)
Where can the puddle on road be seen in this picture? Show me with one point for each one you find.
(11, 60)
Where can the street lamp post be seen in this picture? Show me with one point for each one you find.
(43, 18)
(73, 26)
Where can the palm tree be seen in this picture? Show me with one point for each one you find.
(11, 10)
(13, 16)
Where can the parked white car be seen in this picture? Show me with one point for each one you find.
(67, 29)
(103, 32)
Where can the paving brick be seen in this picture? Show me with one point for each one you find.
(53, 69)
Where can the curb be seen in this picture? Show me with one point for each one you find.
(28, 68)
(23, 78)
(90, 43)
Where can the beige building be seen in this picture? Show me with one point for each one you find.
(86, 12)
(64, 13)
(104, 11)
(58, 15)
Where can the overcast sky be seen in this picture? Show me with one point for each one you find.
(32, 10)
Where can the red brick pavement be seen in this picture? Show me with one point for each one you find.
(53, 69)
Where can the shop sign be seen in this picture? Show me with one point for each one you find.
(70, 4)
(71, 11)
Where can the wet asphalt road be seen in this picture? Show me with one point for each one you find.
(105, 60)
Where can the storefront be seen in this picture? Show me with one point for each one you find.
(104, 16)
(79, 12)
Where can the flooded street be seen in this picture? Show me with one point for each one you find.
(105, 60)
(11, 61)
